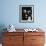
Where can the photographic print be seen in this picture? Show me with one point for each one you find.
(26, 13)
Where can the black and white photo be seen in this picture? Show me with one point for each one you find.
(26, 13)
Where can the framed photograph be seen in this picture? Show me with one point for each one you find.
(26, 13)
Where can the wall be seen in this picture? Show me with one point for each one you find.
(9, 13)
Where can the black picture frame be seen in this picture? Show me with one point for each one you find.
(26, 13)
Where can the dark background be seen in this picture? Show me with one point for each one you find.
(23, 14)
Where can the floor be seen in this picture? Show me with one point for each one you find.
(0, 44)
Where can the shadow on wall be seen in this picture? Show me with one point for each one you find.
(2, 26)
